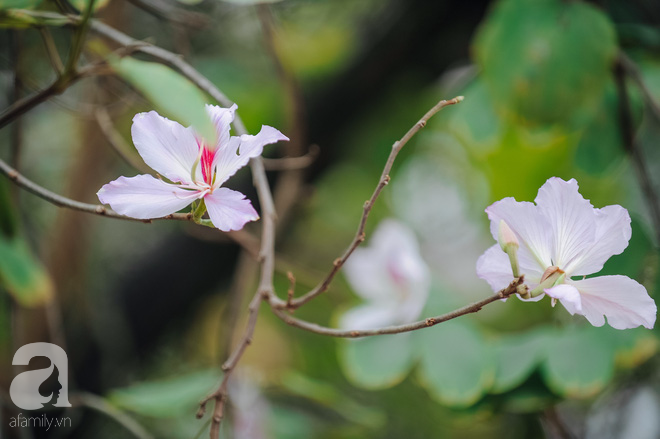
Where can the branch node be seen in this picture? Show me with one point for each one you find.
(101, 210)
(13, 175)
(337, 263)
(430, 321)
(386, 179)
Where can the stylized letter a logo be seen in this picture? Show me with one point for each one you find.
(24, 390)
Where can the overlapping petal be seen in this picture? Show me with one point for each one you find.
(624, 302)
(233, 155)
(568, 295)
(531, 229)
(571, 218)
(611, 237)
(144, 196)
(229, 210)
(166, 146)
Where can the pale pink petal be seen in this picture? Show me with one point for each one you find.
(390, 268)
(222, 119)
(166, 146)
(229, 210)
(144, 197)
(235, 153)
(624, 302)
(494, 267)
(612, 235)
(370, 316)
(568, 295)
(571, 218)
(531, 229)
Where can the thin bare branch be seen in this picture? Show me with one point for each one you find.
(292, 163)
(631, 145)
(51, 50)
(368, 205)
(220, 395)
(117, 142)
(61, 201)
(516, 286)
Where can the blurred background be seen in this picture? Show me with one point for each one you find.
(146, 312)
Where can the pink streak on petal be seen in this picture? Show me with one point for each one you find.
(144, 197)
(222, 119)
(229, 210)
(166, 146)
(571, 218)
(624, 302)
(206, 163)
(568, 295)
(237, 151)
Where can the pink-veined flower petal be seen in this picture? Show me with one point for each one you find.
(624, 302)
(222, 119)
(531, 228)
(390, 268)
(144, 196)
(571, 218)
(165, 145)
(612, 235)
(569, 297)
(229, 210)
(233, 155)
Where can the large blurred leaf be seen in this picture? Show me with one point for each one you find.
(166, 398)
(543, 58)
(600, 145)
(377, 362)
(516, 358)
(457, 366)
(579, 362)
(170, 92)
(18, 4)
(22, 274)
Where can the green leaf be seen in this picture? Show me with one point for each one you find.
(170, 92)
(18, 4)
(457, 366)
(543, 58)
(329, 396)
(81, 5)
(166, 398)
(377, 362)
(579, 362)
(22, 274)
(21, 18)
(516, 358)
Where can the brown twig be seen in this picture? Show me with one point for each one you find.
(512, 288)
(51, 50)
(117, 142)
(292, 163)
(220, 395)
(368, 205)
(292, 288)
(632, 147)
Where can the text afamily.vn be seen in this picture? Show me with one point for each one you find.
(42, 421)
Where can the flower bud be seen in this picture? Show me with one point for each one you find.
(509, 244)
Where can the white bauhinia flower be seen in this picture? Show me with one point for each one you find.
(563, 237)
(390, 275)
(196, 169)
